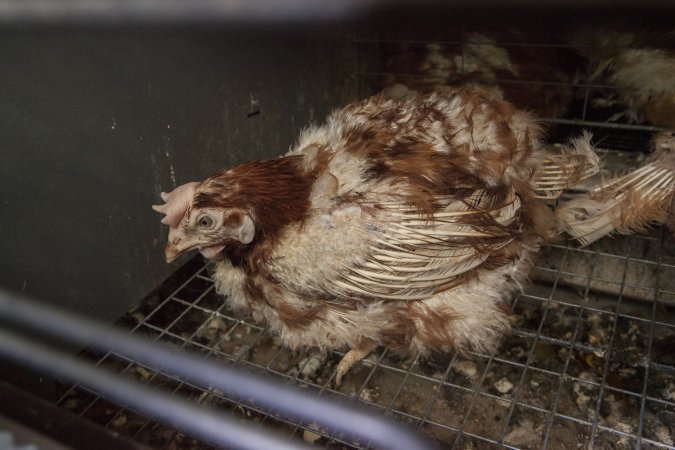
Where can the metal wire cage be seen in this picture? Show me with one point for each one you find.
(588, 365)
(584, 368)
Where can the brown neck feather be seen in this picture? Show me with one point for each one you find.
(275, 193)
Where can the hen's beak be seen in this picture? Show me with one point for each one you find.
(177, 245)
(172, 252)
(174, 249)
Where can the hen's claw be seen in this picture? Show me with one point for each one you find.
(352, 357)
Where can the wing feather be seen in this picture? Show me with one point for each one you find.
(560, 171)
(623, 204)
(417, 255)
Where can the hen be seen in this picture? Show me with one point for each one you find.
(484, 62)
(403, 223)
(635, 71)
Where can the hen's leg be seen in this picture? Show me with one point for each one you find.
(351, 357)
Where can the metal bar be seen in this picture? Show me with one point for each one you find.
(530, 356)
(131, 363)
(177, 11)
(150, 314)
(192, 305)
(363, 385)
(347, 419)
(645, 382)
(469, 409)
(608, 358)
(360, 40)
(42, 418)
(612, 125)
(441, 382)
(270, 11)
(570, 344)
(423, 76)
(209, 425)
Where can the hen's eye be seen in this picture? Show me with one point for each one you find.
(205, 222)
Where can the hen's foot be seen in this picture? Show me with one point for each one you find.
(352, 357)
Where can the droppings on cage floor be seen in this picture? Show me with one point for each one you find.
(582, 368)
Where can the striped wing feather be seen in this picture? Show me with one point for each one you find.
(561, 172)
(624, 204)
(418, 256)
(575, 162)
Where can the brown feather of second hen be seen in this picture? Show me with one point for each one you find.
(403, 223)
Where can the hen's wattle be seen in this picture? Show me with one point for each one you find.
(408, 224)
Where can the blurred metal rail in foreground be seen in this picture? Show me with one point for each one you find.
(310, 12)
(212, 426)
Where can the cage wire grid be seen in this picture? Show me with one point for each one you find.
(372, 75)
(579, 369)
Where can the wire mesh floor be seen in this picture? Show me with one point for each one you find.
(589, 364)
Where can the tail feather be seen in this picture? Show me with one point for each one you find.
(624, 204)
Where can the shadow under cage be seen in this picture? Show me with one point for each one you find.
(589, 363)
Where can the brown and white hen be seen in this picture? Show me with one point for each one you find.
(636, 68)
(484, 62)
(403, 223)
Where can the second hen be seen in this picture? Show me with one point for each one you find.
(403, 223)
(484, 62)
(638, 69)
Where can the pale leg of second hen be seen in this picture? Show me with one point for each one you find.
(352, 357)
